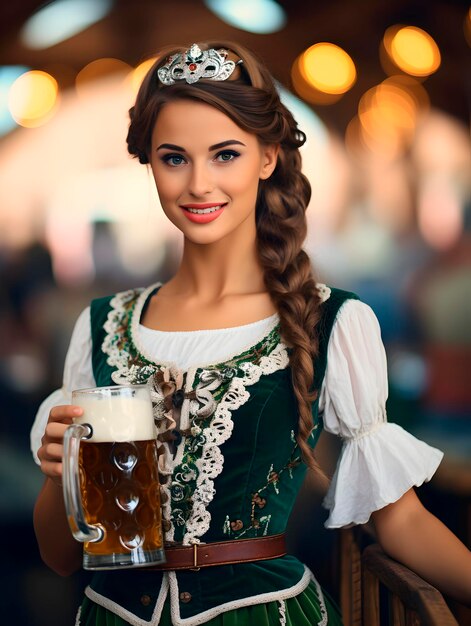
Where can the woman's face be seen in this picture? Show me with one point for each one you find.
(207, 170)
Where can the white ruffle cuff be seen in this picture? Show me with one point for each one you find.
(376, 468)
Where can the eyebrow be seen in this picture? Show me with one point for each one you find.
(216, 146)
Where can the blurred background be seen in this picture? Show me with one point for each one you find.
(382, 90)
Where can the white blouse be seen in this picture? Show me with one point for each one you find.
(379, 461)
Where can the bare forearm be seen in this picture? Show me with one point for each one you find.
(58, 548)
(429, 548)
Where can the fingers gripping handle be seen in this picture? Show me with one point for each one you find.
(71, 485)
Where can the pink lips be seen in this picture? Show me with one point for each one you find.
(203, 218)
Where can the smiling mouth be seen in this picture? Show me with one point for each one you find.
(203, 209)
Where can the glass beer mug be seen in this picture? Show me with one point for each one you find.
(110, 478)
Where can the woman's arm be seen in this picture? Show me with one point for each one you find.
(59, 550)
(409, 533)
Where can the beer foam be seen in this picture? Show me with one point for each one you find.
(117, 418)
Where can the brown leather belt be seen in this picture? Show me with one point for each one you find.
(200, 555)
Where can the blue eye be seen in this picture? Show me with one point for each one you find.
(227, 155)
(174, 160)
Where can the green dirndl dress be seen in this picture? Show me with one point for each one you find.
(214, 486)
(302, 610)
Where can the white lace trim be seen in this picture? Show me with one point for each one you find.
(129, 617)
(320, 596)
(170, 583)
(116, 357)
(119, 358)
(211, 461)
(324, 291)
(282, 612)
(205, 616)
(77, 617)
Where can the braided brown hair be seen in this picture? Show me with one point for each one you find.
(251, 100)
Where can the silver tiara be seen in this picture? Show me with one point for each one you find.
(194, 64)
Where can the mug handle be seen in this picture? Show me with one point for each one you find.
(71, 485)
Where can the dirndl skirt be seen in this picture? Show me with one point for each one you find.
(305, 609)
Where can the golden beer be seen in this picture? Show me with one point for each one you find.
(111, 481)
(120, 492)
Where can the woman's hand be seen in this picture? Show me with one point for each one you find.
(52, 443)
(58, 548)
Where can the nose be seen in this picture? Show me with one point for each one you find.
(201, 181)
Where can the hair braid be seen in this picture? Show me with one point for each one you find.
(281, 228)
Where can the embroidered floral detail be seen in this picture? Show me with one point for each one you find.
(273, 478)
(226, 529)
(260, 498)
(262, 523)
(234, 376)
(129, 368)
(237, 524)
(258, 501)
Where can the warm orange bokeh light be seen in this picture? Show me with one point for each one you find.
(412, 50)
(467, 27)
(98, 70)
(33, 98)
(388, 114)
(328, 68)
(306, 90)
(138, 74)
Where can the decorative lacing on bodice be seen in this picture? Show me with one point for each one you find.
(192, 409)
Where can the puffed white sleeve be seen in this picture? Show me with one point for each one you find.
(78, 374)
(379, 461)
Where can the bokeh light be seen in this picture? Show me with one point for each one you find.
(138, 74)
(388, 114)
(323, 73)
(328, 68)
(98, 70)
(33, 98)
(467, 26)
(439, 211)
(408, 373)
(8, 75)
(60, 20)
(254, 16)
(306, 90)
(412, 50)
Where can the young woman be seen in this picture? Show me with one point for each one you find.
(248, 358)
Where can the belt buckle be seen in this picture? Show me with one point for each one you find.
(195, 567)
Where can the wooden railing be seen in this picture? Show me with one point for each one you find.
(376, 590)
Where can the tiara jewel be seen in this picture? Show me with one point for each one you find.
(194, 64)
